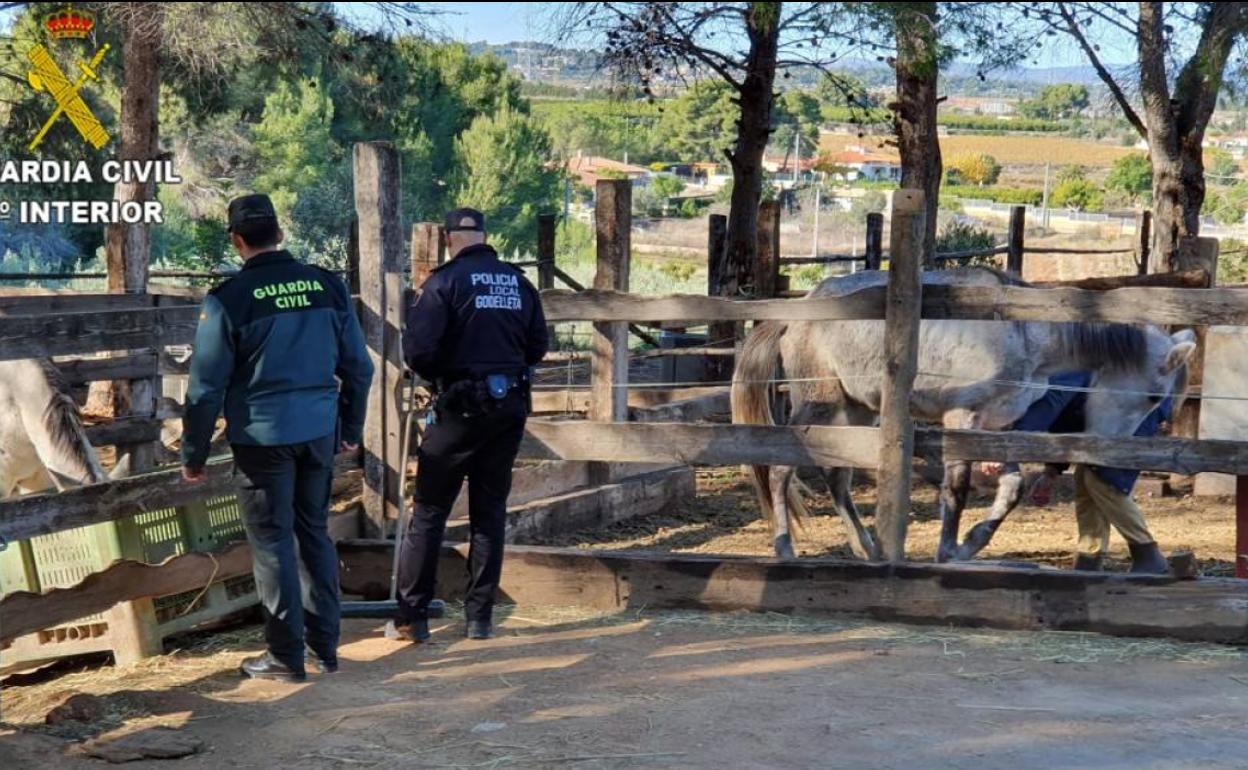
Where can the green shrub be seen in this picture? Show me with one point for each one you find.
(1025, 195)
(964, 236)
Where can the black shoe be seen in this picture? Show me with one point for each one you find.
(415, 631)
(268, 667)
(322, 665)
(479, 629)
(436, 609)
(1089, 562)
(1147, 559)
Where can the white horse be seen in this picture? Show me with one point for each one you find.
(971, 375)
(42, 442)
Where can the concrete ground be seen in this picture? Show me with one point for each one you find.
(667, 690)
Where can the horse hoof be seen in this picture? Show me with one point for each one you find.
(784, 547)
(945, 555)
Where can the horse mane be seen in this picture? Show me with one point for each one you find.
(63, 421)
(1116, 346)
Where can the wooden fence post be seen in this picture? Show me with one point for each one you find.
(427, 252)
(609, 364)
(767, 255)
(1241, 526)
(377, 205)
(546, 259)
(901, 352)
(133, 625)
(723, 332)
(1017, 232)
(353, 257)
(1195, 253)
(1143, 240)
(874, 253)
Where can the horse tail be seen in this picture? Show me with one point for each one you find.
(751, 405)
(54, 425)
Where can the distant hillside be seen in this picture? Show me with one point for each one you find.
(547, 63)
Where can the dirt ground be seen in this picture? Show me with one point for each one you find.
(671, 690)
(724, 519)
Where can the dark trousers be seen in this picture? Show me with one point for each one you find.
(483, 449)
(284, 494)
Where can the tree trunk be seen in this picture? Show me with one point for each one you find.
(755, 98)
(1176, 119)
(128, 246)
(915, 110)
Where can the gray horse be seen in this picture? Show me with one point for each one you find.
(971, 375)
(42, 443)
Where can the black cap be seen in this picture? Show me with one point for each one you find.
(465, 219)
(251, 209)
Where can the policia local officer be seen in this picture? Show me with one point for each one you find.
(475, 331)
(279, 346)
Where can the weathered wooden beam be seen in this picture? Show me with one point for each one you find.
(70, 302)
(35, 336)
(1158, 305)
(24, 612)
(378, 207)
(901, 361)
(697, 409)
(125, 430)
(859, 446)
(972, 594)
(427, 252)
(597, 506)
(1143, 245)
(718, 285)
(701, 444)
(26, 517)
(44, 514)
(1161, 453)
(131, 366)
(608, 382)
(1187, 279)
(1014, 245)
(609, 371)
(874, 252)
(767, 255)
(546, 231)
(577, 399)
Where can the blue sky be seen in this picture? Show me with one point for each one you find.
(513, 22)
(521, 21)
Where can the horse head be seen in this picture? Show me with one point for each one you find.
(1123, 396)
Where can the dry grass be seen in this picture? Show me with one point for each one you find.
(724, 519)
(1008, 149)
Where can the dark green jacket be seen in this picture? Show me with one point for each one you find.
(280, 348)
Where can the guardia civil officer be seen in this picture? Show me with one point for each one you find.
(474, 333)
(280, 348)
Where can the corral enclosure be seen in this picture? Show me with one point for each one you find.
(633, 454)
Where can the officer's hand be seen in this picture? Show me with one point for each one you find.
(347, 447)
(194, 475)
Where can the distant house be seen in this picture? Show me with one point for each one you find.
(857, 163)
(588, 169)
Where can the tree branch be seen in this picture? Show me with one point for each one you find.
(1197, 84)
(1073, 29)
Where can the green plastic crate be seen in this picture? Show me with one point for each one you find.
(63, 559)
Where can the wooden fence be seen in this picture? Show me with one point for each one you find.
(1014, 249)
(92, 323)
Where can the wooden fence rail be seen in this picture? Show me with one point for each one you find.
(694, 444)
(1155, 305)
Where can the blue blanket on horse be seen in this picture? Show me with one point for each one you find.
(1062, 411)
